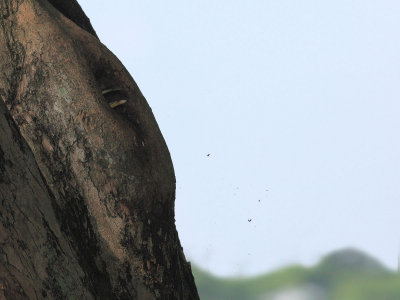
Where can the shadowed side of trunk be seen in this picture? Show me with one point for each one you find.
(101, 178)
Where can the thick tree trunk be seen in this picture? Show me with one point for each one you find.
(87, 186)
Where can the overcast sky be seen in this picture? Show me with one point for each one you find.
(297, 103)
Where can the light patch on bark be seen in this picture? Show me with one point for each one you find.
(108, 228)
(47, 144)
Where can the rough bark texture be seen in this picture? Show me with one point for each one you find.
(87, 191)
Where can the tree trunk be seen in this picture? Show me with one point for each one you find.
(87, 186)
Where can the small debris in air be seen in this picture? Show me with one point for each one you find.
(249, 220)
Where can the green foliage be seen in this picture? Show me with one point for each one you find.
(342, 275)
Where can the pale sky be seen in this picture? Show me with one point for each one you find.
(297, 103)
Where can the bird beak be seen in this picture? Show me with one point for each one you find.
(114, 104)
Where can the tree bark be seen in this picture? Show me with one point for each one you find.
(87, 186)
